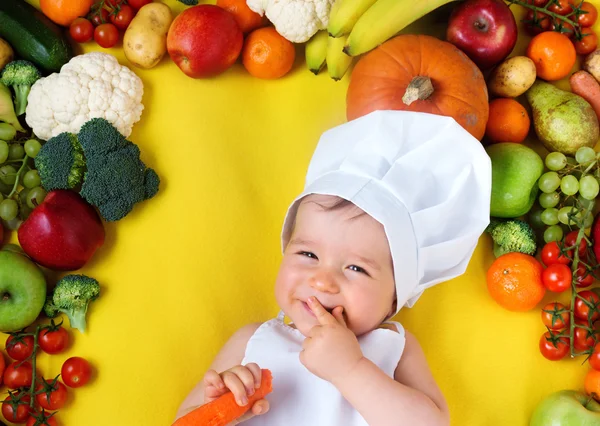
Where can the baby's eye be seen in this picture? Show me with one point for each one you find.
(358, 269)
(308, 254)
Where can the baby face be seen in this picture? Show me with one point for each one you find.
(342, 257)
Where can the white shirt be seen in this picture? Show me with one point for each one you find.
(301, 398)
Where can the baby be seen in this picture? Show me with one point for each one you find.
(394, 203)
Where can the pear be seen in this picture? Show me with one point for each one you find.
(563, 121)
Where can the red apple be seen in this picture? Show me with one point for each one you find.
(204, 40)
(485, 30)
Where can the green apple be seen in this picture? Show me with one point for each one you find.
(22, 291)
(515, 172)
(566, 408)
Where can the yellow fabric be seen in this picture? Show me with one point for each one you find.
(187, 268)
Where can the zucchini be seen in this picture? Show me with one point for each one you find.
(33, 36)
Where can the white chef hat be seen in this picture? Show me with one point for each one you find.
(422, 176)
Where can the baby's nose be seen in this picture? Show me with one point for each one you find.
(324, 281)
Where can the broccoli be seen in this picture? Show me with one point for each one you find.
(189, 2)
(20, 75)
(512, 236)
(72, 295)
(101, 164)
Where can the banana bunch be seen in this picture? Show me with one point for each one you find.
(323, 50)
(367, 23)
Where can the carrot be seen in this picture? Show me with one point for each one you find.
(585, 85)
(224, 409)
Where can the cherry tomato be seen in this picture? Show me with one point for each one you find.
(137, 4)
(582, 310)
(538, 3)
(553, 347)
(555, 316)
(81, 30)
(539, 25)
(557, 277)
(583, 277)
(19, 349)
(571, 239)
(2, 366)
(18, 377)
(583, 339)
(106, 35)
(53, 342)
(551, 254)
(588, 19)
(48, 421)
(594, 358)
(561, 7)
(76, 372)
(15, 411)
(100, 17)
(114, 3)
(54, 396)
(562, 27)
(588, 42)
(123, 17)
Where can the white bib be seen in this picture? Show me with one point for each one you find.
(301, 398)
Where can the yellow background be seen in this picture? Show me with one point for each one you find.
(182, 272)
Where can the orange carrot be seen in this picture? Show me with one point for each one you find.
(585, 85)
(224, 409)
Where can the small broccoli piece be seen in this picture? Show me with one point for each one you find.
(49, 308)
(20, 75)
(512, 236)
(72, 296)
(108, 166)
(189, 2)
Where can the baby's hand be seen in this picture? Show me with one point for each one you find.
(331, 349)
(242, 381)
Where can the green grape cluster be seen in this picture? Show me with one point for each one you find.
(20, 184)
(568, 191)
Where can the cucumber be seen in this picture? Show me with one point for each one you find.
(33, 36)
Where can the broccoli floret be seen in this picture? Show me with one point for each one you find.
(189, 2)
(512, 236)
(20, 75)
(49, 308)
(72, 295)
(108, 166)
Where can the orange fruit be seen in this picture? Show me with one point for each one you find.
(247, 19)
(553, 54)
(267, 54)
(508, 121)
(63, 12)
(515, 281)
(592, 383)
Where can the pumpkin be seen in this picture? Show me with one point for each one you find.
(420, 73)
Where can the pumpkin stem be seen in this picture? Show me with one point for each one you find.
(419, 88)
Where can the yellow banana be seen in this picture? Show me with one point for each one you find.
(384, 19)
(316, 52)
(344, 14)
(337, 61)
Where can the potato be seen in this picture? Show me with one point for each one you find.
(145, 40)
(6, 53)
(592, 64)
(512, 77)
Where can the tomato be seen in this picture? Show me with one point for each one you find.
(594, 358)
(584, 339)
(587, 19)
(557, 277)
(583, 277)
(2, 366)
(42, 420)
(123, 17)
(556, 316)
(53, 342)
(113, 3)
(16, 410)
(551, 254)
(538, 3)
(19, 348)
(54, 395)
(582, 309)
(99, 18)
(588, 42)
(562, 27)
(76, 372)
(561, 7)
(571, 239)
(538, 25)
(137, 4)
(106, 35)
(553, 347)
(18, 377)
(81, 30)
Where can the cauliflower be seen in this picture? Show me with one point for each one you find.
(93, 85)
(296, 20)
